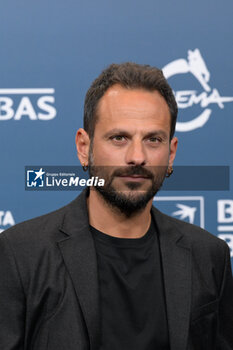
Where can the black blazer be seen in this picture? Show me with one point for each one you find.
(49, 296)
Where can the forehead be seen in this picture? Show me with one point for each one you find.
(120, 105)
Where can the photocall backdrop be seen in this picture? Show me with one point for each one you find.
(50, 53)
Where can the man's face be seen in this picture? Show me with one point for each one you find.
(131, 147)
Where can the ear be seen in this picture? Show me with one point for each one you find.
(173, 148)
(82, 141)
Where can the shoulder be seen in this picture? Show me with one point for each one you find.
(33, 245)
(39, 227)
(209, 254)
(45, 228)
(197, 237)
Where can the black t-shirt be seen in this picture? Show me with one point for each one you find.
(133, 311)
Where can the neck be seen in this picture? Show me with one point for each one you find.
(114, 223)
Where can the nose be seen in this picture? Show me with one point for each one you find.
(135, 154)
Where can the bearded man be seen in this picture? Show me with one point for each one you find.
(109, 271)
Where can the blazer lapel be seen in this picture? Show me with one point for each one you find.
(79, 254)
(176, 262)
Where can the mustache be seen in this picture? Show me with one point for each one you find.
(133, 170)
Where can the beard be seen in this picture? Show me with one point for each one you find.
(128, 197)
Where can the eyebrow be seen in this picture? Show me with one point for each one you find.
(152, 133)
(161, 133)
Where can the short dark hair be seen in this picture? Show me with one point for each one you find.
(131, 76)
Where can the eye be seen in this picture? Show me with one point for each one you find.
(118, 139)
(155, 140)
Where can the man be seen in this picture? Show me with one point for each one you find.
(109, 271)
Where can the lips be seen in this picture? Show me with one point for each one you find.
(134, 177)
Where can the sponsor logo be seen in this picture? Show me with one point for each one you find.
(186, 208)
(225, 221)
(34, 104)
(6, 220)
(196, 66)
(185, 212)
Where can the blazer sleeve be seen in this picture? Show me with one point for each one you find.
(12, 300)
(225, 341)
